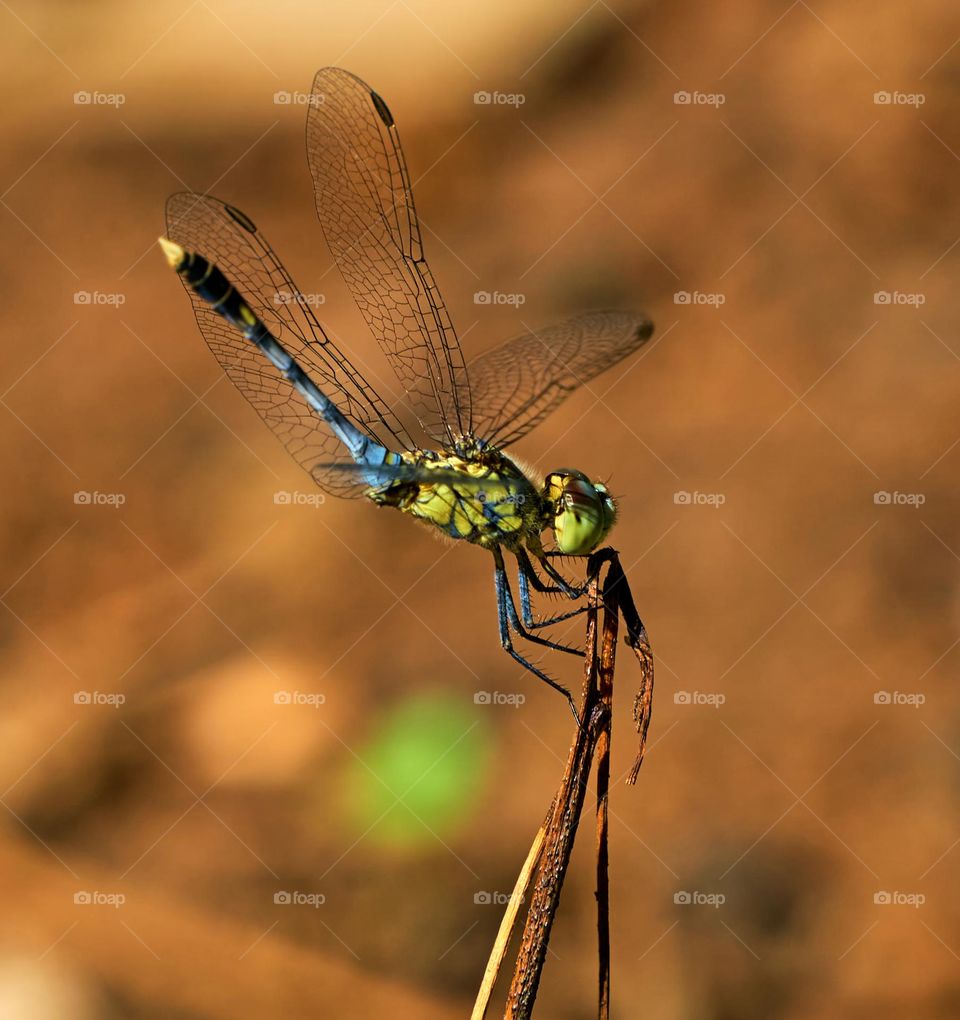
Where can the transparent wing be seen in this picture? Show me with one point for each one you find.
(228, 238)
(365, 204)
(516, 385)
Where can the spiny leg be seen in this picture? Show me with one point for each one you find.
(527, 567)
(507, 614)
(528, 576)
(515, 620)
(571, 591)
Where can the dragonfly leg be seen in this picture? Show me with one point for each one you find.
(563, 585)
(515, 620)
(507, 616)
(526, 577)
(527, 568)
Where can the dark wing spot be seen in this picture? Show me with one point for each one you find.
(241, 217)
(382, 109)
(644, 330)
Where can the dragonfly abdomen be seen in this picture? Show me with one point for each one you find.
(208, 282)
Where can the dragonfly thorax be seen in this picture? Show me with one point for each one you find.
(472, 493)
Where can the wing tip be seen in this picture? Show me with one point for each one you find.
(643, 330)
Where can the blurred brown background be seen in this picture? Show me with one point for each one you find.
(803, 783)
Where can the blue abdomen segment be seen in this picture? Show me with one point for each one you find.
(209, 283)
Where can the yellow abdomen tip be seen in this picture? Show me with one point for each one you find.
(174, 252)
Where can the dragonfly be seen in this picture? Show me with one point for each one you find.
(438, 452)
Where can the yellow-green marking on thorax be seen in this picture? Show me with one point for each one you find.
(503, 511)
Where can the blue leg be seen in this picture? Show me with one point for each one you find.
(507, 616)
(528, 576)
(515, 620)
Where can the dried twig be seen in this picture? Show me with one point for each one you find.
(550, 852)
(506, 926)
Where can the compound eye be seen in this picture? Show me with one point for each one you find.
(585, 512)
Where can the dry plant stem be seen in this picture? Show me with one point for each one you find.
(562, 826)
(550, 852)
(506, 925)
(551, 871)
(636, 637)
(608, 656)
(603, 886)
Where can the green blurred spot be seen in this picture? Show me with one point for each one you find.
(433, 754)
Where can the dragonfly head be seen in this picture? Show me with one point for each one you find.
(583, 511)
